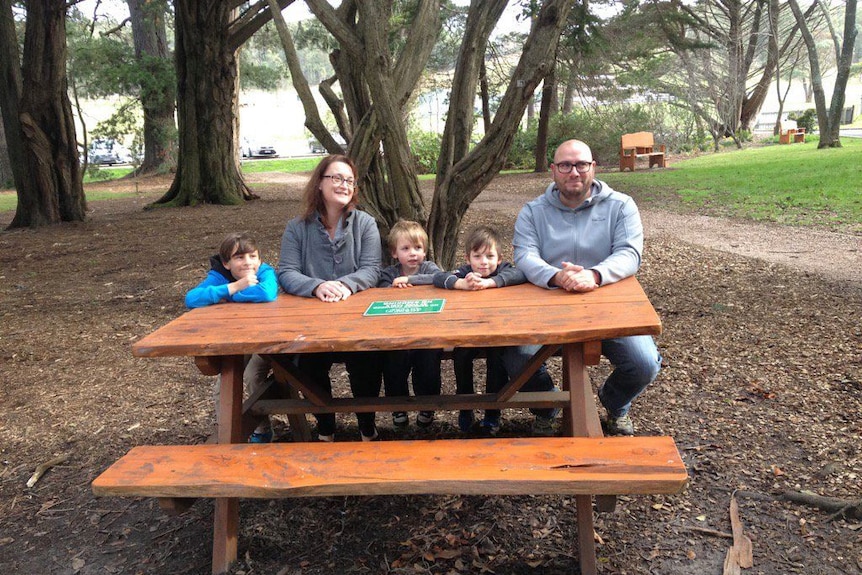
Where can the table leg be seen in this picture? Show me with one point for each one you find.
(225, 532)
(226, 511)
(581, 419)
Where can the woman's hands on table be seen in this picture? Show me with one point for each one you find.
(332, 291)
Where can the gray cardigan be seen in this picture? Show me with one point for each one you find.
(309, 257)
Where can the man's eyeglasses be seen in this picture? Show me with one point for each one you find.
(338, 179)
(566, 167)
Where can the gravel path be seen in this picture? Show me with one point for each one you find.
(832, 255)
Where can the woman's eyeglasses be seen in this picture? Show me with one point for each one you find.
(338, 179)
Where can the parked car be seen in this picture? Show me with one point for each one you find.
(318, 148)
(107, 152)
(255, 150)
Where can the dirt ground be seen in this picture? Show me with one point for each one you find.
(761, 389)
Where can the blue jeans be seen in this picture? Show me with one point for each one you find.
(636, 362)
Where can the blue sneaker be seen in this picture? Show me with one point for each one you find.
(260, 437)
(489, 427)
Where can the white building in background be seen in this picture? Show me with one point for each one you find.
(795, 101)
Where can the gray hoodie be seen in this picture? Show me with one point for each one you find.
(604, 234)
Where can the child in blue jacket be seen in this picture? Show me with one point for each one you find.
(237, 275)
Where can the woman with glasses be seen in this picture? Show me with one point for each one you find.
(329, 252)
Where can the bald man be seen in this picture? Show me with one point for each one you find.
(577, 236)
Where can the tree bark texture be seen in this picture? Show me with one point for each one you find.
(5, 164)
(206, 62)
(469, 174)
(51, 190)
(158, 91)
(10, 93)
(545, 111)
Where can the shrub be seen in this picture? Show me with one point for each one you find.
(601, 127)
(807, 119)
(425, 147)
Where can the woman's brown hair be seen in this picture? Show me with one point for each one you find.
(312, 200)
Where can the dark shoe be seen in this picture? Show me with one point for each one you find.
(489, 427)
(466, 420)
(373, 436)
(543, 426)
(400, 419)
(424, 419)
(621, 425)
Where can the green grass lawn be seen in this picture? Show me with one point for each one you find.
(795, 183)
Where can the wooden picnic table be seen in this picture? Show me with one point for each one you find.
(573, 324)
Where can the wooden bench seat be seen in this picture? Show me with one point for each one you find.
(640, 145)
(500, 466)
(792, 136)
(578, 466)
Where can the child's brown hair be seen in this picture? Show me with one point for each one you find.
(410, 230)
(236, 243)
(482, 237)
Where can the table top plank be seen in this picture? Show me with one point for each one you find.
(514, 315)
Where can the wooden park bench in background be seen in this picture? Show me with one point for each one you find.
(640, 145)
(792, 136)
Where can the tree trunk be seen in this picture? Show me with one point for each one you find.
(5, 164)
(545, 112)
(51, 191)
(836, 107)
(463, 182)
(828, 120)
(377, 90)
(753, 102)
(313, 121)
(485, 94)
(158, 91)
(455, 142)
(569, 94)
(207, 167)
(10, 95)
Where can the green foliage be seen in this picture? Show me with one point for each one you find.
(262, 63)
(125, 122)
(446, 48)
(102, 65)
(807, 119)
(99, 65)
(603, 126)
(261, 76)
(425, 147)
